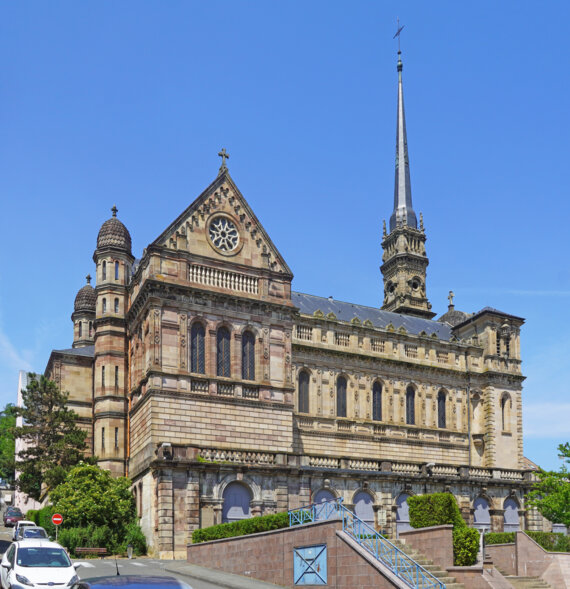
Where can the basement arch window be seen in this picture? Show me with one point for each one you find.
(341, 396)
(511, 521)
(236, 506)
(364, 507)
(303, 406)
(248, 356)
(481, 514)
(223, 352)
(197, 349)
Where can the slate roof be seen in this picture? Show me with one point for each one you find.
(308, 304)
(86, 299)
(88, 351)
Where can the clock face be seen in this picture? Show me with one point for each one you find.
(223, 234)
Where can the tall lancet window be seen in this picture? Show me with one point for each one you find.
(248, 356)
(303, 392)
(223, 352)
(341, 396)
(197, 349)
(410, 406)
(377, 401)
(441, 421)
(104, 271)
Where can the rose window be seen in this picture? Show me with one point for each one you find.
(224, 234)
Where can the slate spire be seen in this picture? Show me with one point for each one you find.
(403, 213)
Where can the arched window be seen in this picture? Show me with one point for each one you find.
(236, 498)
(410, 406)
(377, 401)
(441, 410)
(481, 515)
(303, 391)
(248, 356)
(197, 349)
(116, 377)
(116, 270)
(511, 521)
(223, 352)
(322, 496)
(341, 396)
(402, 514)
(363, 507)
(80, 328)
(116, 305)
(505, 412)
(90, 328)
(104, 271)
(103, 376)
(103, 438)
(104, 306)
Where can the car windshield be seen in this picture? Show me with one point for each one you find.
(13, 511)
(34, 533)
(42, 557)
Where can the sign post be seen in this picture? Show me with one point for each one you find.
(56, 520)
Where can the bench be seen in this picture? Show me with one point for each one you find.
(84, 550)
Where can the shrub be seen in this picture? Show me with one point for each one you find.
(242, 528)
(551, 542)
(465, 546)
(436, 509)
(43, 519)
(134, 536)
(499, 538)
(32, 515)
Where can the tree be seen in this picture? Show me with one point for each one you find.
(7, 442)
(91, 496)
(54, 442)
(551, 493)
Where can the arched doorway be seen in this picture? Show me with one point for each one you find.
(236, 503)
(363, 507)
(511, 521)
(481, 514)
(322, 496)
(402, 514)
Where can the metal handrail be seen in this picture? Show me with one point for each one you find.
(404, 567)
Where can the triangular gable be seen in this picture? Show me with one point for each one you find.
(222, 205)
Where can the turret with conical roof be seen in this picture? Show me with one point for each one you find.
(83, 315)
(404, 259)
(114, 261)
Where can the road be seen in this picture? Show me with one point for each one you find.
(98, 567)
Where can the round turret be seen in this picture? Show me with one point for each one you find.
(114, 234)
(86, 298)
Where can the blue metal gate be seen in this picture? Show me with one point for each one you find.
(310, 565)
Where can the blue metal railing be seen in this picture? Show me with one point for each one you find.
(404, 567)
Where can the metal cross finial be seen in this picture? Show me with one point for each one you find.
(450, 298)
(398, 34)
(114, 210)
(224, 155)
(88, 278)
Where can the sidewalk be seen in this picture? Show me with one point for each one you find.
(219, 578)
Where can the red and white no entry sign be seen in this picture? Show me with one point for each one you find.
(56, 519)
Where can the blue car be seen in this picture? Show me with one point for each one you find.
(131, 582)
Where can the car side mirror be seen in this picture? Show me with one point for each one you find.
(76, 565)
(7, 565)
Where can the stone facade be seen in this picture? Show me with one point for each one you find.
(222, 394)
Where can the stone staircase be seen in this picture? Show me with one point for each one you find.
(527, 582)
(434, 569)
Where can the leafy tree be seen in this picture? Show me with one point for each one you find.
(91, 496)
(54, 442)
(551, 493)
(7, 443)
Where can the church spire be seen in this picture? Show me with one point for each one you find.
(403, 213)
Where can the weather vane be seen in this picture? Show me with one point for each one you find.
(400, 28)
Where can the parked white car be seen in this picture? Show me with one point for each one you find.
(36, 563)
(19, 526)
(32, 532)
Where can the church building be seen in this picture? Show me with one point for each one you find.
(223, 394)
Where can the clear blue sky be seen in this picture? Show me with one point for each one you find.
(129, 102)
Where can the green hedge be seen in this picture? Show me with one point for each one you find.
(242, 528)
(103, 537)
(551, 542)
(499, 538)
(436, 509)
(439, 509)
